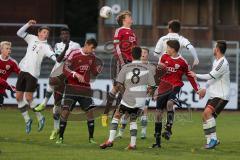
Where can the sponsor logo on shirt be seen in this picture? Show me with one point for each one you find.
(84, 67)
(2, 71)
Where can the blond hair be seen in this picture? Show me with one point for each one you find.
(5, 43)
(121, 16)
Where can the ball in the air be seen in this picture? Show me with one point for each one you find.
(105, 12)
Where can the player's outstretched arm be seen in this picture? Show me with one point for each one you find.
(192, 79)
(22, 31)
(200, 76)
(61, 56)
(194, 54)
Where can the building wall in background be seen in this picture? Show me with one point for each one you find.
(202, 20)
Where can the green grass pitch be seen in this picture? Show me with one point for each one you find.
(185, 144)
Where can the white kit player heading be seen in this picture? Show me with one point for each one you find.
(36, 51)
(174, 27)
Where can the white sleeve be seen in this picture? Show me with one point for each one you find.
(215, 73)
(184, 42)
(204, 76)
(55, 48)
(49, 52)
(218, 71)
(159, 48)
(77, 46)
(22, 31)
(193, 51)
(23, 34)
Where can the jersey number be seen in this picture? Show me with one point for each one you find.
(135, 78)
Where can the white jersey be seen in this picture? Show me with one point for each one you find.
(161, 46)
(221, 74)
(36, 51)
(59, 47)
(135, 77)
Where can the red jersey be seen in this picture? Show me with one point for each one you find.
(6, 68)
(81, 63)
(176, 68)
(124, 40)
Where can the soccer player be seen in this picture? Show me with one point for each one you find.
(144, 119)
(174, 27)
(7, 67)
(61, 50)
(78, 67)
(30, 66)
(218, 87)
(124, 40)
(134, 78)
(176, 67)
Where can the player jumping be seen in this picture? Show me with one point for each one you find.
(218, 86)
(174, 27)
(61, 50)
(30, 66)
(124, 40)
(176, 67)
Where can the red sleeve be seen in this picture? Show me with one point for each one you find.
(67, 68)
(96, 67)
(16, 69)
(4, 84)
(192, 80)
(116, 41)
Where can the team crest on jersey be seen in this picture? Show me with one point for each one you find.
(90, 62)
(8, 67)
(177, 66)
(132, 39)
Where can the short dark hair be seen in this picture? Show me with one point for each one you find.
(174, 44)
(136, 53)
(174, 25)
(145, 48)
(122, 15)
(91, 41)
(65, 29)
(222, 45)
(43, 27)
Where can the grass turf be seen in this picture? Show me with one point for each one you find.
(186, 143)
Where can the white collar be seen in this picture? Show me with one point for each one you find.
(171, 33)
(179, 56)
(220, 58)
(125, 27)
(4, 59)
(45, 41)
(136, 61)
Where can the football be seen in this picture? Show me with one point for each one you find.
(105, 12)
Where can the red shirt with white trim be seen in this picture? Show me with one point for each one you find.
(124, 40)
(7, 67)
(83, 64)
(176, 68)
